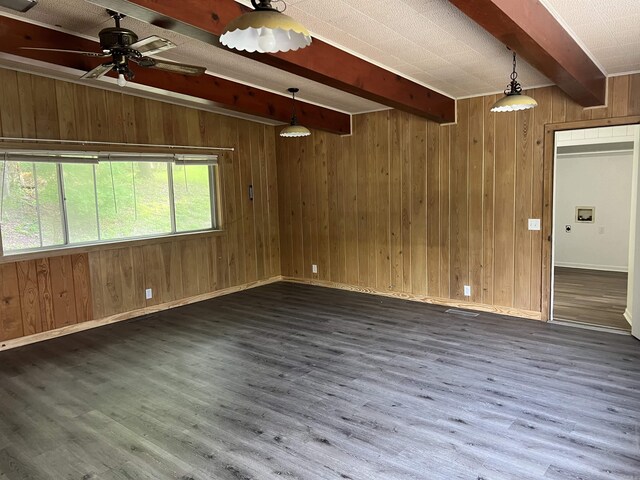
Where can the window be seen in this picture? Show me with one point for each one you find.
(51, 199)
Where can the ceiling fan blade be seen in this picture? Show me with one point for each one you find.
(99, 71)
(170, 66)
(80, 52)
(152, 45)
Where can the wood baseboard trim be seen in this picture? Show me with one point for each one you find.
(446, 302)
(119, 317)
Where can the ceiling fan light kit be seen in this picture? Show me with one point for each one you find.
(514, 99)
(265, 30)
(294, 129)
(123, 45)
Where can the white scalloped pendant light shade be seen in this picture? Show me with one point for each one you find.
(265, 32)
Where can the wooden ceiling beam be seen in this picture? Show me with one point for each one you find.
(223, 93)
(205, 20)
(529, 29)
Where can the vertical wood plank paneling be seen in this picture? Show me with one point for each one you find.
(371, 199)
(363, 207)
(335, 220)
(10, 313)
(130, 120)
(29, 298)
(162, 268)
(115, 117)
(396, 154)
(404, 138)
(349, 165)
(43, 273)
(459, 202)
(381, 199)
(433, 210)
(444, 213)
(83, 119)
(230, 215)
(524, 174)
(364, 240)
(285, 198)
(259, 199)
(82, 287)
(504, 210)
(634, 97)
(308, 213)
(418, 206)
(488, 201)
(461, 198)
(66, 106)
(96, 276)
(190, 266)
(62, 291)
(297, 238)
(620, 96)
(10, 107)
(475, 197)
(27, 106)
(322, 207)
(272, 210)
(245, 179)
(98, 118)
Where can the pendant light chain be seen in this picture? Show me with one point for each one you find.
(514, 87)
(513, 99)
(294, 118)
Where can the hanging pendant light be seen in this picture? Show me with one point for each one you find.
(514, 99)
(265, 30)
(293, 129)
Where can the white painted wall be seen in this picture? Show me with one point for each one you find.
(602, 181)
(633, 290)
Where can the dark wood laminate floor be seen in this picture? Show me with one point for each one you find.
(298, 382)
(591, 297)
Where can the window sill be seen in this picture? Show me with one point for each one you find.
(134, 242)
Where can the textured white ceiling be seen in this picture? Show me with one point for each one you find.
(79, 16)
(608, 29)
(428, 41)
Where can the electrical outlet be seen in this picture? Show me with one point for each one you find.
(467, 290)
(314, 268)
(148, 294)
(534, 224)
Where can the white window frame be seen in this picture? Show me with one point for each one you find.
(60, 158)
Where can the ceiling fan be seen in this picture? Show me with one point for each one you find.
(122, 45)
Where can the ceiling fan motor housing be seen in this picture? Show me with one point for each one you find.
(114, 37)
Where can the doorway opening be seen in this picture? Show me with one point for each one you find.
(593, 238)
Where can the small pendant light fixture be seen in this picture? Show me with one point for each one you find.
(293, 129)
(514, 100)
(265, 30)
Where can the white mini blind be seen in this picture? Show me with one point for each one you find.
(93, 158)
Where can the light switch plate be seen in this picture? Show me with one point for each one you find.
(534, 224)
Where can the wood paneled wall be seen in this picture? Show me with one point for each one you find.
(405, 206)
(245, 251)
(41, 295)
